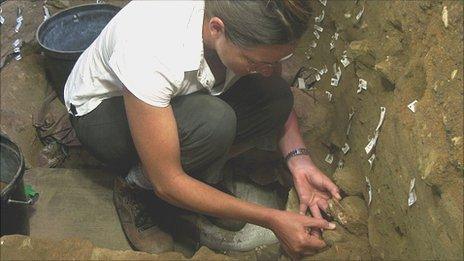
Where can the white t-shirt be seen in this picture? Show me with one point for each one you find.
(152, 48)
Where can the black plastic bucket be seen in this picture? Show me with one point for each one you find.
(65, 36)
(13, 208)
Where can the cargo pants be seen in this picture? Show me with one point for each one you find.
(253, 111)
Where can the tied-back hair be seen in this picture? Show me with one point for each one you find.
(249, 23)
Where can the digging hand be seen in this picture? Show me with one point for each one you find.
(313, 188)
(293, 232)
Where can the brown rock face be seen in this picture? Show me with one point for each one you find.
(349, 181)
(351, 213)
(405, 53)
(16, 247)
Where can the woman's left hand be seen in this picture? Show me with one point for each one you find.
(313, 187)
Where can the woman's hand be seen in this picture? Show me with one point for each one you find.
(293, 232)
(313, 187)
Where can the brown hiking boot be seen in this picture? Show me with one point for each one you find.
(139, 226)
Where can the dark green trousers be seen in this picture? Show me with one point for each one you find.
(254, 111)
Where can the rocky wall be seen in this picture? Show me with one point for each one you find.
(406, 51)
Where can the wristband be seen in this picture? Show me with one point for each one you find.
(296, 152)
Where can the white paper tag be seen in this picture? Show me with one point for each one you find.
(329, 158)
(46, 12)
(319, 18)
(359, 15)
(332, 45)
(351, 114)
(19, 23)
(369, 191)
(383, 111)
(313, 44)
(372, 143)
(412, 106)
(318, 28)
(308, 55)
(17, 44)
(444, 16)
(2, 20)
(301, 84)
(316, 33)
(19, 19)
(323, 70)
(338, 74)
(362, 85)
(329, 95)
(345, 61)
(412, 193)
(345, 148)
(371, 161)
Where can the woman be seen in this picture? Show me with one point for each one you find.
(171, 90)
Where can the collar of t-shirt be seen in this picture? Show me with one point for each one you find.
(194, 54)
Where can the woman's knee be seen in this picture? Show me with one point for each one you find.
(218, 125)
(207, 126)
(279, 99)
(282, 104)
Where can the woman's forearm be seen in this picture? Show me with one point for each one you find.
(189, 193)
(291, 139)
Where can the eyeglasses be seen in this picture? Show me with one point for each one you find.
(255, 65)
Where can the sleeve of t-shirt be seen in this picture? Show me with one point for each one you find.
(142, 74)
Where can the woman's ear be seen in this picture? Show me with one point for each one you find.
(216, 27)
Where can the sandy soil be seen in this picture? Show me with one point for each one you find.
(405, 52)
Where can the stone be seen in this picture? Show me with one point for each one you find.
(389, 70)
(205, 253)
(339, 234)
(351, 213)
(315, 115)
(356, 209)
(349, 181)
(362, 51)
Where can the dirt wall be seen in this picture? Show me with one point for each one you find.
(405, 52)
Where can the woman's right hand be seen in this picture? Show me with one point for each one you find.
(293, 232)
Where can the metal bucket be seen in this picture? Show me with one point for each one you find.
(13, 208)
(65, 36)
